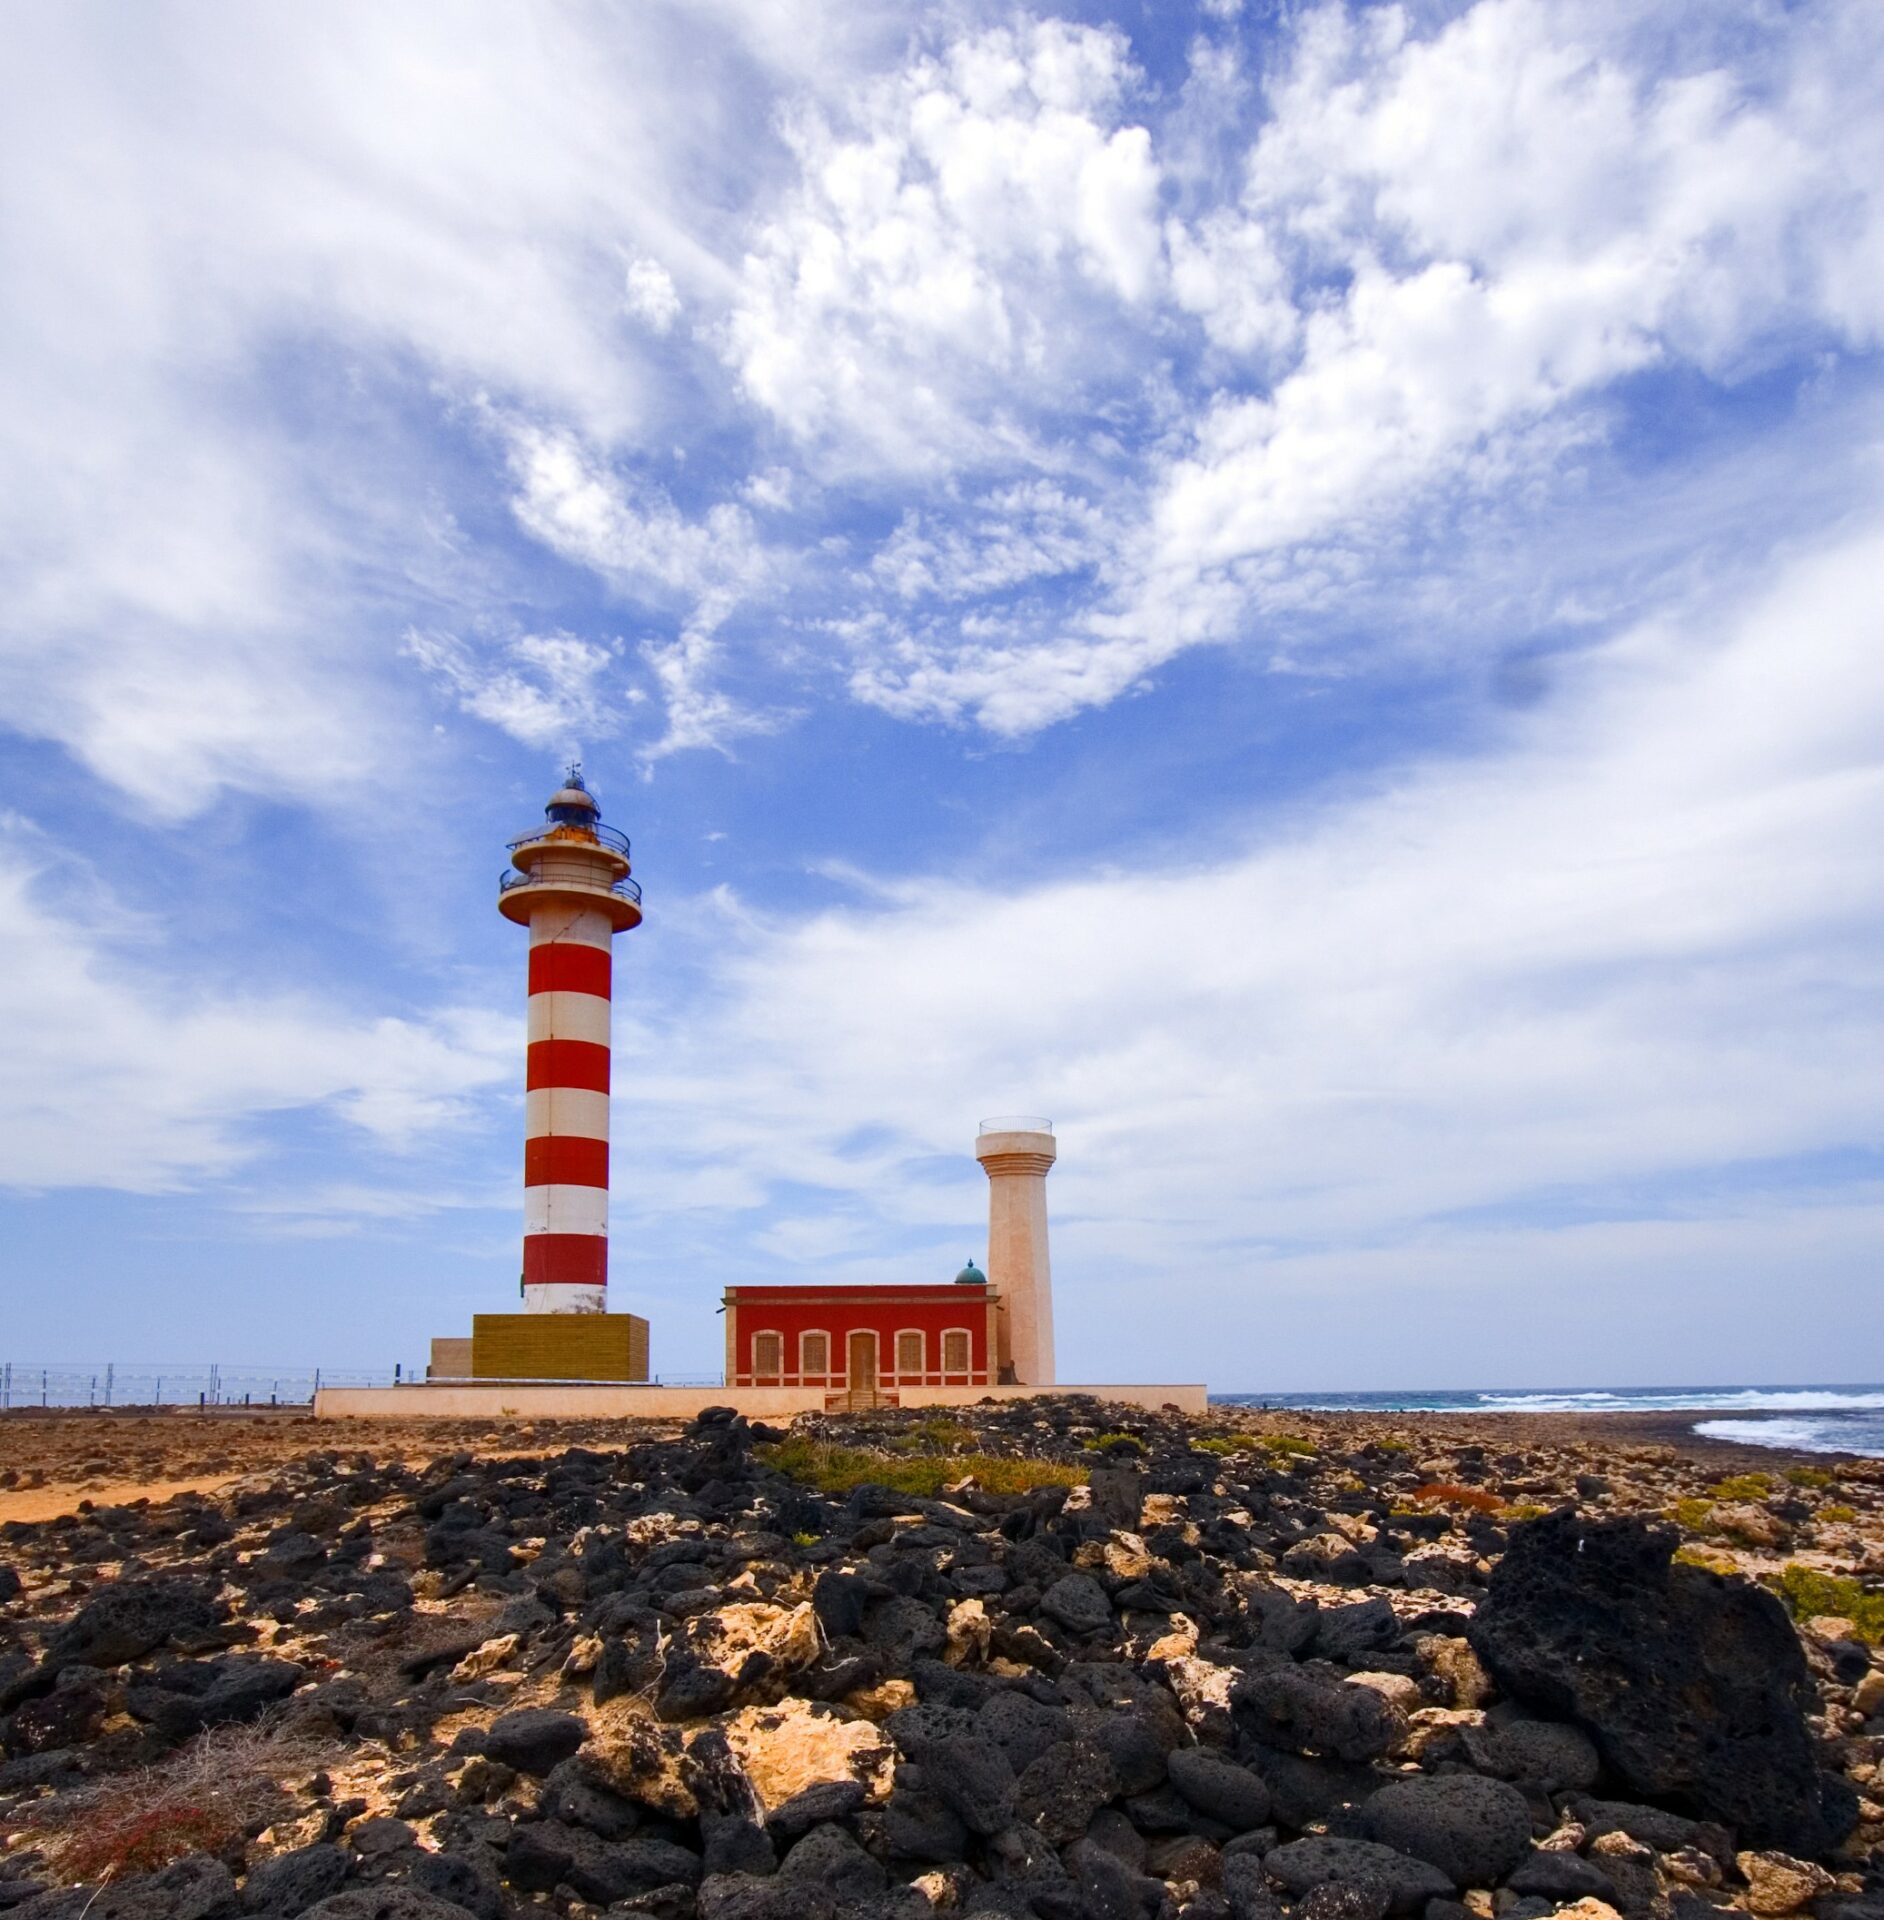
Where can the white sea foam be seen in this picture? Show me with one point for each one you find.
(1801, 1436)
(1692, 1399)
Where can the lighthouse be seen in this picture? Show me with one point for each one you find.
(569, 884)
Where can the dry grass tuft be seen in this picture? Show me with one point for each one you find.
(839, 1470)
(202, 1799)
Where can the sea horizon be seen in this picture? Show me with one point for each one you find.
(1841, 1417)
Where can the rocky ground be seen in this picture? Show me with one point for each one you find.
(1050, 1659)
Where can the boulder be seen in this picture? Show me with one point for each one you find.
(1472, 1829)
(1078, 1602)
(128, 1620)
(1692, 1685)
(292, 1882)
(1777, 1883)
(534, 1741)
(1219, 1789)
(788, 1749)
(387, 1903)
(1545, 1754)
(1291, 1708)
(1322, 1859)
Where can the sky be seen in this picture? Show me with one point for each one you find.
(1297, 587)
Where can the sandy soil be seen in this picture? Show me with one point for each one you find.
(53, 1459)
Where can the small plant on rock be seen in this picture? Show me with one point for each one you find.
(1807, 1591)
(1809, 1477)
(1835, 1515)
(840, 1470)
(1290, 1444)
(1743, 1486)
(1693, 1515)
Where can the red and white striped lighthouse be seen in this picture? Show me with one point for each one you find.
(569, 885)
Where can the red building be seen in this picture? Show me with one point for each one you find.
(862, 1340)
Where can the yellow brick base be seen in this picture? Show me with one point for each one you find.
(559, 1346)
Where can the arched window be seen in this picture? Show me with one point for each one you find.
(909, 1357)
(768, 1355)
(814, 1355)
(956, 1350)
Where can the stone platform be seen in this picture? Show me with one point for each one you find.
(603, 1400)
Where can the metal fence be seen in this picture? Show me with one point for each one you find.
(192, 1383)
(186, 1383)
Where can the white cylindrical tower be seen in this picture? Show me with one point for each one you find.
(1017, 1152)
(570, 887)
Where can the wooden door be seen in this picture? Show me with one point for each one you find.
(863, 1362)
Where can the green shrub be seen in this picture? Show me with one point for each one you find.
(1693, 1515)
(1809, 1476)
(1286, 1443)
(1119, 1443)
(1707, 1562)
(840, 1470)
(1807, 1591)
(1743, 1486)
(1836, 1515)
(1215, 1443)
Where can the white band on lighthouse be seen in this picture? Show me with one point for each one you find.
(572, 890)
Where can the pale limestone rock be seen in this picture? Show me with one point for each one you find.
(1868, 1696)
(1432, 1726)
(487, 1659)
(1752, 1526)
(1690, 1867)
(1588, 1908)
(1178, 1643)
(970, 1634)
(583, 1656)
(1352, 1528)
(943, 1887)
(800, 1743)
(1403, 1691)
(882, 1700)
(639, 1757)
(1125, 1555)
(1777, 1883)
(725, 1637)
(1203, 1695)
(1454, 1662)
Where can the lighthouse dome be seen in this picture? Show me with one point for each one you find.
(971, 1276)
(572, 804)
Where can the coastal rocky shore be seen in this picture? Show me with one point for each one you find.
(1050, 1658)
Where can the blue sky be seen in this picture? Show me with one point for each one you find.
(1296, 587)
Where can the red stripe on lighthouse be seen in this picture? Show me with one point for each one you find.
(564, 1160)
(567, 1063)
(562, 967)
(565, 1260)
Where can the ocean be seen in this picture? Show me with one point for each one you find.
(1842, 1419)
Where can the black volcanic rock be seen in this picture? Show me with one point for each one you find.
(1693, 1686)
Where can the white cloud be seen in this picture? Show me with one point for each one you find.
(1632, 944)
(115, 1076)
(950, 235)
(547, 691)
(1447, 251)
(651, 295)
